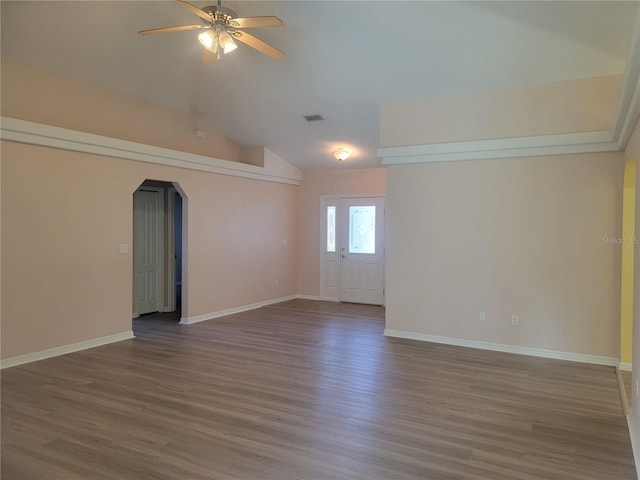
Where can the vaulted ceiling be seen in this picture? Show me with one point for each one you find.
(343, 60)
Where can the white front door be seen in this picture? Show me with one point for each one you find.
(352, 250)
(362, 250)
(148, 231)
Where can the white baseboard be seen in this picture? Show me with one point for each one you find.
(231, 311)
(63, 350)
(317, 297)
(96, 342)
(309, 297)
(500, 347)
(634, 434)
(625, 367)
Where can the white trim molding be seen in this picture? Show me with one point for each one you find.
(22, 131)
(627, 114)
(97, 342)
(63, 350)
(245, 308)
(625, 367)
(230, 311)
(318, 297)
(629, 102)
(501, 347)
(310, 297)
(500, 148)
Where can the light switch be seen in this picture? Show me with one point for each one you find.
(123, 248)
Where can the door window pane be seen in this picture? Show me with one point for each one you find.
(331, 229)
(362, 229)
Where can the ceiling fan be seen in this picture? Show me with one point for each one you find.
(221, 27)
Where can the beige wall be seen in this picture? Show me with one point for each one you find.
(65, 213)
(371, 181)
(508, 237)
(633, 149)
(243, 235)
(41, 97)
(563, 107)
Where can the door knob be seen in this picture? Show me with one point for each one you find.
(342, 256)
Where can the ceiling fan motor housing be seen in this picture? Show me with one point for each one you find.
(220, 14)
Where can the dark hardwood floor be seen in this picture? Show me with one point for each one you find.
(332, 308)
(627, 378)
(284, 394)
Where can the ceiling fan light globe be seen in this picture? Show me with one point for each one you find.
(230, 47)
(206, 40)
(226, 42)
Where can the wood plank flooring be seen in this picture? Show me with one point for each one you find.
(283, 394)
(332, 308)
(627, 378)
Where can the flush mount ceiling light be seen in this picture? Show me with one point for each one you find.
(341, 154)
(222, 29)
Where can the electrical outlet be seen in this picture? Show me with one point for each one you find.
(515, 320)
(482, 316)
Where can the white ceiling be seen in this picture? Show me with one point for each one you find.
(343, 59)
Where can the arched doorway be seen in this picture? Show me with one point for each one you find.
(158, 253)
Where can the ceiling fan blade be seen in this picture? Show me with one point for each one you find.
(254, 22)
(263, 47)
(208, 57)
(193, 9)
(170, 29)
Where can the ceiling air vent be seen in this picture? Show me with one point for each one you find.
(313, 118)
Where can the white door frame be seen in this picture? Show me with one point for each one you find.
(170, 304)
(332, 294)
